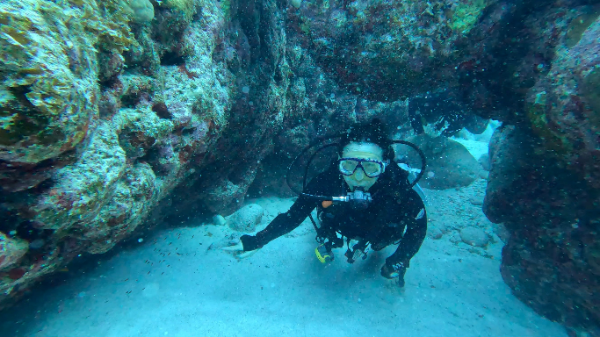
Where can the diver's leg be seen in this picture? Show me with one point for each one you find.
(391, 236)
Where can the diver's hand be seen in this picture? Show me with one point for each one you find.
(395, 271)
(235, 246)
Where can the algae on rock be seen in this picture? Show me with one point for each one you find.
(142, 11)
(49, 74)
(186, 7)
(50, 86)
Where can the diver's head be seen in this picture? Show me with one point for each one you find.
(364, 154)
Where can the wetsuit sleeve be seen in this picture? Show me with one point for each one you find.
(286, 222)
(415, 217)
(282, 224)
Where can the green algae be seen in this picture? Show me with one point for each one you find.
(541, 126)
(186, 7)
(579, 25)
(466, 14)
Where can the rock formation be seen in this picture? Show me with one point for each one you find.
(551, 258)
(449, 163)
(544, 170)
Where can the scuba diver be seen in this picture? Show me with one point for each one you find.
(363, 197)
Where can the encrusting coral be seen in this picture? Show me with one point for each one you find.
(48, 80)
(186, 7)
(11, 250)
(142, 11)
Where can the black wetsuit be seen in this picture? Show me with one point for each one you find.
(394, 208)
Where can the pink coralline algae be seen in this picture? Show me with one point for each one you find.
(180, 113)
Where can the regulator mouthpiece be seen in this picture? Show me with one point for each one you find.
(358, 198)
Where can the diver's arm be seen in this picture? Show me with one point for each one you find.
(282, 224)
(416, 229)
(286, 222)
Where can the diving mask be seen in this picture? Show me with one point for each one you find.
(361, 164)
(372, 168)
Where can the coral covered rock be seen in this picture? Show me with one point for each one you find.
(11, 250)
(185, 7)
(142, 11)
(504, 61)
(564, 106)
(551, 258)
(387, 50)
(85, 152)
(48, 81)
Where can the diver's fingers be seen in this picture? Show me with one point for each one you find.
(246, 254)
(394, 275)
(238, 246)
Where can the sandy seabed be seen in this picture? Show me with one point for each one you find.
(172, 285)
